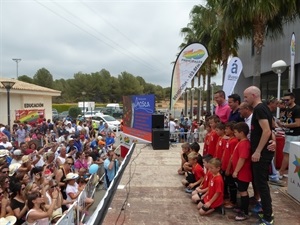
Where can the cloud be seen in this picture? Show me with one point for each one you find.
(66, 37)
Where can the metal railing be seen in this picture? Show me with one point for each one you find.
(75, 214)
(181, 137)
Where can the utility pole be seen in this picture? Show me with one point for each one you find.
(17, 62)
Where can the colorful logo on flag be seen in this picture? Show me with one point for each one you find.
(194, 54)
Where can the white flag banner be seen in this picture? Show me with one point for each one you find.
(293, 51)
(233, 71)
(187, 64)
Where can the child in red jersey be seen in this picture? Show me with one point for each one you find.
(222, 140)
(206, 138)
(194, 178)
(213, 198)
(213, 120)
(202, 189)
(241, 165)
(226, 166)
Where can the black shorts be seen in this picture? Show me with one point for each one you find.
(204, 208)
(242, 185)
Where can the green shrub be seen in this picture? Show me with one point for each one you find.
(74, 111)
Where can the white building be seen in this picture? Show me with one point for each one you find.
(25, 98)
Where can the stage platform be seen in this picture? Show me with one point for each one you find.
(151, 193)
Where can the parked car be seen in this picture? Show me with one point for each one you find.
(111, 121)
(54, 115)
(63, 115)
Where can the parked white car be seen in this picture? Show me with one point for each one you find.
(111, 121)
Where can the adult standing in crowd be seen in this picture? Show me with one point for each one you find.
(261, 134)
(222, 110)
(291, 124)
(234, 101)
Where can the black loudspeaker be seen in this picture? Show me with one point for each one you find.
(297, 95)
(158, 121)
(160, 139)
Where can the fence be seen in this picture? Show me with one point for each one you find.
(76, 214)
(181, 137)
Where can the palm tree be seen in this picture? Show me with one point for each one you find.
(258, 20)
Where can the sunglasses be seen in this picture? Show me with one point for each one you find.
(5, 171)
(54, 186)
(1, 193)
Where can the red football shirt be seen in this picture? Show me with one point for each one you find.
(212, 142)
(220, 148)
(216, 186)
(243, 150)
(228, 151)
(198, 171)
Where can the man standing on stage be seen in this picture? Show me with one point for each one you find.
(261, 134)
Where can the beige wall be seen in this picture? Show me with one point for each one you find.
(17, 101)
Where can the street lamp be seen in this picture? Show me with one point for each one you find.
(8, 85)
(212, 97)
(17, 62)
(279, 67)
(83, 94)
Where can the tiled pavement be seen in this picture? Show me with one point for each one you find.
(155, 195)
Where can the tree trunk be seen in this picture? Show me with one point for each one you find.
(208, 101)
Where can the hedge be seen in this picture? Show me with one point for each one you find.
(66, 106)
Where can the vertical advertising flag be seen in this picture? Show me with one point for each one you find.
(187, 64)
(232, 75)
(293, 51)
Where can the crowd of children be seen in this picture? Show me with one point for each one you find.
(225, 169)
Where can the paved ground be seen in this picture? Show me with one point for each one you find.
(154, 195)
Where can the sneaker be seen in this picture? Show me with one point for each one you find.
(188, 190)
(241, 217)
(261, 215)
(257, 208)
(285, 175)
(229, 205)
(264, 222)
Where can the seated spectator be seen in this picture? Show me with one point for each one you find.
(36, 214)
(185, 150)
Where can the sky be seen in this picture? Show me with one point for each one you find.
(67, 37)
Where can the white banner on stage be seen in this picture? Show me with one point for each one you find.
(293, 51)
(232, 75)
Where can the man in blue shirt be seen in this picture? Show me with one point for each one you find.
(234, 101)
